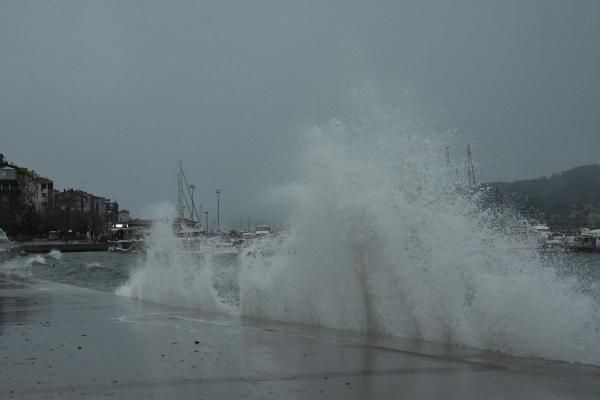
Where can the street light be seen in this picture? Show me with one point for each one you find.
(218, 192)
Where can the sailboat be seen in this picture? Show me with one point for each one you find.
(194, 237)
(187, 224)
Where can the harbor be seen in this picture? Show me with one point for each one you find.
(299, 200)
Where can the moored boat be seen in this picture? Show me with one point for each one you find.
(586, 241)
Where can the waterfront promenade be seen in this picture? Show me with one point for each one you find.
(64, 342)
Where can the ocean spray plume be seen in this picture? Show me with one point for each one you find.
(382, 241)
(169, 275)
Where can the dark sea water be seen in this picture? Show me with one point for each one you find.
(106, 271)
(102, 271)
(581, 268)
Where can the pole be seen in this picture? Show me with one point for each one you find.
(248, 224)
(448, 164)
(192, 187)
(68, 209)
(206, 220)
(219, 211)
(470, 168)
(179, 193)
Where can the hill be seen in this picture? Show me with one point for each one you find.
(566, 199)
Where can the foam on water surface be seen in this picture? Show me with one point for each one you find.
(56, 254)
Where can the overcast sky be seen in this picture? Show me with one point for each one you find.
(110, 95)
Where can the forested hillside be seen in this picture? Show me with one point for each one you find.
(568, 198)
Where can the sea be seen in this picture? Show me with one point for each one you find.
(108, 271)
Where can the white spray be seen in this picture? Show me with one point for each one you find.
(170, 275)
(56, 254)
(383, 242)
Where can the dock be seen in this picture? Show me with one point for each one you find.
(63, 342)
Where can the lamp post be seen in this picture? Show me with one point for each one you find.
(218, 192)
(67, 223)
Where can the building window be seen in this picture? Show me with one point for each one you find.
(4, 201)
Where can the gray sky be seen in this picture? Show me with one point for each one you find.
(109, 95)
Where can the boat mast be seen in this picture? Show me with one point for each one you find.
(470, 168)
(448, 164)
(179, 195)
(185, 194)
